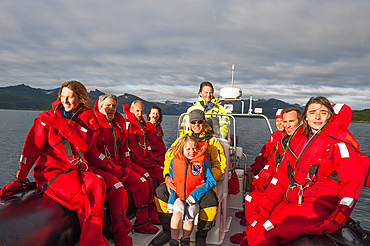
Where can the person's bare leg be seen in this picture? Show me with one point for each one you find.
(176, 222)
(187, 228)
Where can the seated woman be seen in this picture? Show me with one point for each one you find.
(58, 141)
(155, 135)
(189, 169)
(313, 191)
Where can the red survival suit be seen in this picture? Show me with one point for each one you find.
(267, 149)
(266, 152)
(113, 143)
(155, 135)
(138, 143)
(313, 190)
(59, 145)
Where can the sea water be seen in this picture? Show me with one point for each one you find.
(252, 134)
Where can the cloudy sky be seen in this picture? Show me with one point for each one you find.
(162, 50)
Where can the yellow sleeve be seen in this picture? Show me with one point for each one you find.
(168, 158)
(218, 158)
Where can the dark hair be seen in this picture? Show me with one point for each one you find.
(160, 114)
(80, 90)
(320, 100)
(297, 110)
(206, 84)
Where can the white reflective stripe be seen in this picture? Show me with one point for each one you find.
(268, 225)
(149, 148)
(271, 139)
(259, 154)
(23, 159)
(101, 157)
(42, 123)
(99, 176)
(266, 167)
(127, 124)
(337, 107)
(348, 201)
(127, 153)
(248, 198)
(146, 174)
(274, 181)
(162, 168)
(343, 150)
(83, 129)
(118, 185)
(278, 112)
(143, 179)
(254, 223)
(257, 177)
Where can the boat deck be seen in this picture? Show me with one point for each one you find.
(140, 239)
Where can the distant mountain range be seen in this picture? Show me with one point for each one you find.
(25, 97)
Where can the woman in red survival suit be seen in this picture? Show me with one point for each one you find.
(58, 140)
(112, 141)
(155, 134)
(313, 190)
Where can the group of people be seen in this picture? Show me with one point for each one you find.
(85, 156)
(303, 180)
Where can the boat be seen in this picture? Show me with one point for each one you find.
(29, 217)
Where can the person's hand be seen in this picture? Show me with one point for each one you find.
(201, 184)
(260, 184)
(10, 188)
(267, 204)
(53, 120)
(170, 184)
(256, 168)
(126, 173)
(327, 226)
(117, 171)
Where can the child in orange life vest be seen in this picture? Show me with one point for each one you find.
(192, 178)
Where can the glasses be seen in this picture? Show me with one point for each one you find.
(198, 122)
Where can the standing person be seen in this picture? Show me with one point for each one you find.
(58, 142)
(142, 160)
(155, 135)
(313, 191)
(291, 120)
(112, 142)
(208, 204)
(192, 178)
(209, 105)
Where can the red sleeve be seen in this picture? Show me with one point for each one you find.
(32, 148)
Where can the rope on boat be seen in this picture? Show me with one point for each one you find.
(362, 233)
(357, 229)
(336, 240)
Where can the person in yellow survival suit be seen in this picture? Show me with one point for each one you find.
(209, 203)
(210, 105)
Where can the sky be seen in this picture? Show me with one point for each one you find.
(162, 50)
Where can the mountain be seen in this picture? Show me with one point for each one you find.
(25, 97)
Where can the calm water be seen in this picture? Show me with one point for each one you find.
(16, 123)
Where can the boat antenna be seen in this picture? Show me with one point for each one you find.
(250, 111)
(232, 75)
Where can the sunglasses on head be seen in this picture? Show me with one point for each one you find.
(198, 122)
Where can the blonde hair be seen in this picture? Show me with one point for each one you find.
(179, 149)
(80, 90)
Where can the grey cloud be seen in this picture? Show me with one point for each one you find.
(289, 50)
